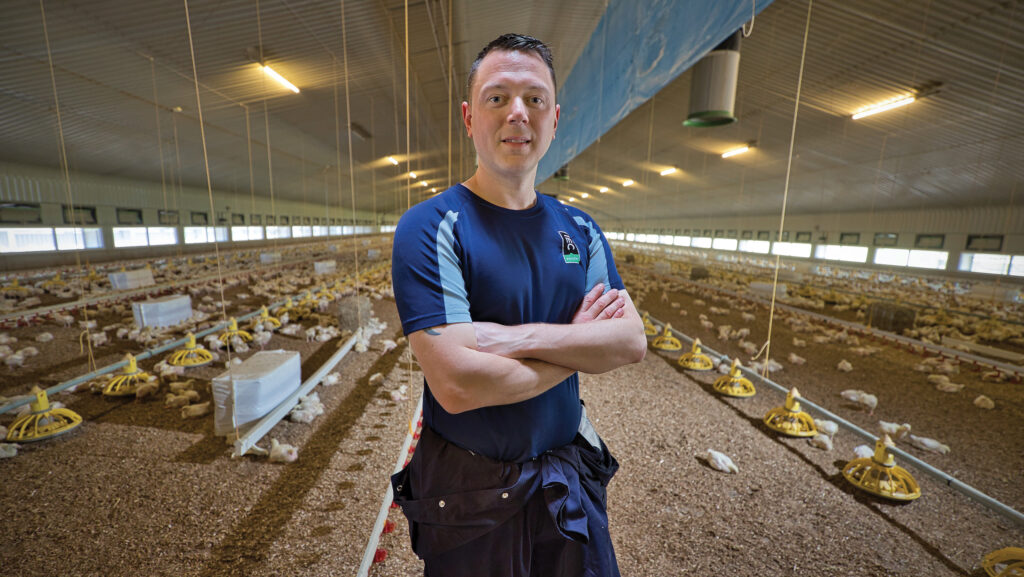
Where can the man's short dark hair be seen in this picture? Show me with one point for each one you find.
(513, 43)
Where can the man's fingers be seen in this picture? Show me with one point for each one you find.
(605, 300)
(590, 297)
(610, 310)
(619, 313)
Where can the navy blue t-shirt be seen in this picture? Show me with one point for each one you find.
(458, 258)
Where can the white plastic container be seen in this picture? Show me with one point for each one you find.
(246, 392)
(764, 289)
(131, 279)
(270, 257)
(163, 312)
(325, 266)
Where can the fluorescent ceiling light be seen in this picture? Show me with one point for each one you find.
(875, 109)
(584, 195)
(628, 182)
(270, 72)
(603, 189)
(392, 160)
(736, 151)
(667, 171)
(434, 190)
(412, 175)
(424, 184)
(572, 199)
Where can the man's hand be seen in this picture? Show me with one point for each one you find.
(597, 306)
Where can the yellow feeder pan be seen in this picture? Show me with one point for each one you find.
(192, 355)
(735, 384)
(92, 276)
(124, 384)
(264, 318)
(14, 288)
(880, 475)
(666, 341)
(55, 282)
(233, 331)
(790, 420)
(43, 422)
(649, 328)
(695, 360)
(324, 293)
(1006, 562)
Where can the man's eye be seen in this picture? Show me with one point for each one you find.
(494, 99)
(537, 100)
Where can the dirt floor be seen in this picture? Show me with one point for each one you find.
(138, 491)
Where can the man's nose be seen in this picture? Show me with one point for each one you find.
(517, 111)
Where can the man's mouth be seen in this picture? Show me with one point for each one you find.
(516, 140)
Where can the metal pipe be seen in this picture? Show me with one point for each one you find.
(933, 472)
(252, 435)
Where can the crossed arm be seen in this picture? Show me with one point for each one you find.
(476, 365)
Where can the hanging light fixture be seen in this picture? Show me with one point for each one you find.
(281, 79)
(667, 171)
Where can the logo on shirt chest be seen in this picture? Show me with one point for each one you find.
(570, 252)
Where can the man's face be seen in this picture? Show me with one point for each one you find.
(511, 115)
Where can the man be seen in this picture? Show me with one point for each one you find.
(505, 294)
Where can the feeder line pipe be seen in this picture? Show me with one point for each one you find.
(935, 473)
(944, 351)
(382, 515)
(254, 433)
(26, 399)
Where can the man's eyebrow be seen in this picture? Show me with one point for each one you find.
(500, 86)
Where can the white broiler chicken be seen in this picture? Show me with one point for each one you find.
(261, 339)
(799, 342)
(859, 397)
(332, 379)
(197, 410)
(983, 402)
(938, 379)
(826, 427)
(9, 450)
(44, 337)
(863, 452)
(927, 444)
(281, 453)
(172, 401)
(950, 387)
(819, 441)
(894, 430)
(796, 359)
(721, 462)
(387, 345)
(844, 366)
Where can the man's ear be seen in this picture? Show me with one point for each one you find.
(467, 119)
(558, 110)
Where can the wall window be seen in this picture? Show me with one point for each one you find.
(799, 249)
(202, 234)
(169, 217)
(279, 232)
(763, 235)
(719, 233)
(271, 220)
(785, 236)
(985, 242)
(20, 213)
(665, 239)
(222, 218)
(892, 256)
(886, 238)
(933, 259)
(841, 252)
(681, 241)
(129, 216)
(162, 235)
(1017, 266)
(78, 238)
(724, 244)
(128, 236)
(255, 219)
(758, 246)
(199, 219)
(985, 263)
(319, 231)
(81, 215)
(929, 241)
(849, 238)
(282, 220)
(747, 235)
(804, 236)
(306, 220)
(237, 219)
(301, 231)
(335, 231)
(26, 239)
(701, 242)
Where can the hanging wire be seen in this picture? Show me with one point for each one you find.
(408, 143)
(753, 13)
(252, 188)
(785, 190)
(206, 168)
(351, 162)
(159, 137)
(67, 184)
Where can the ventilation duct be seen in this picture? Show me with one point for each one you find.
(713, 86)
